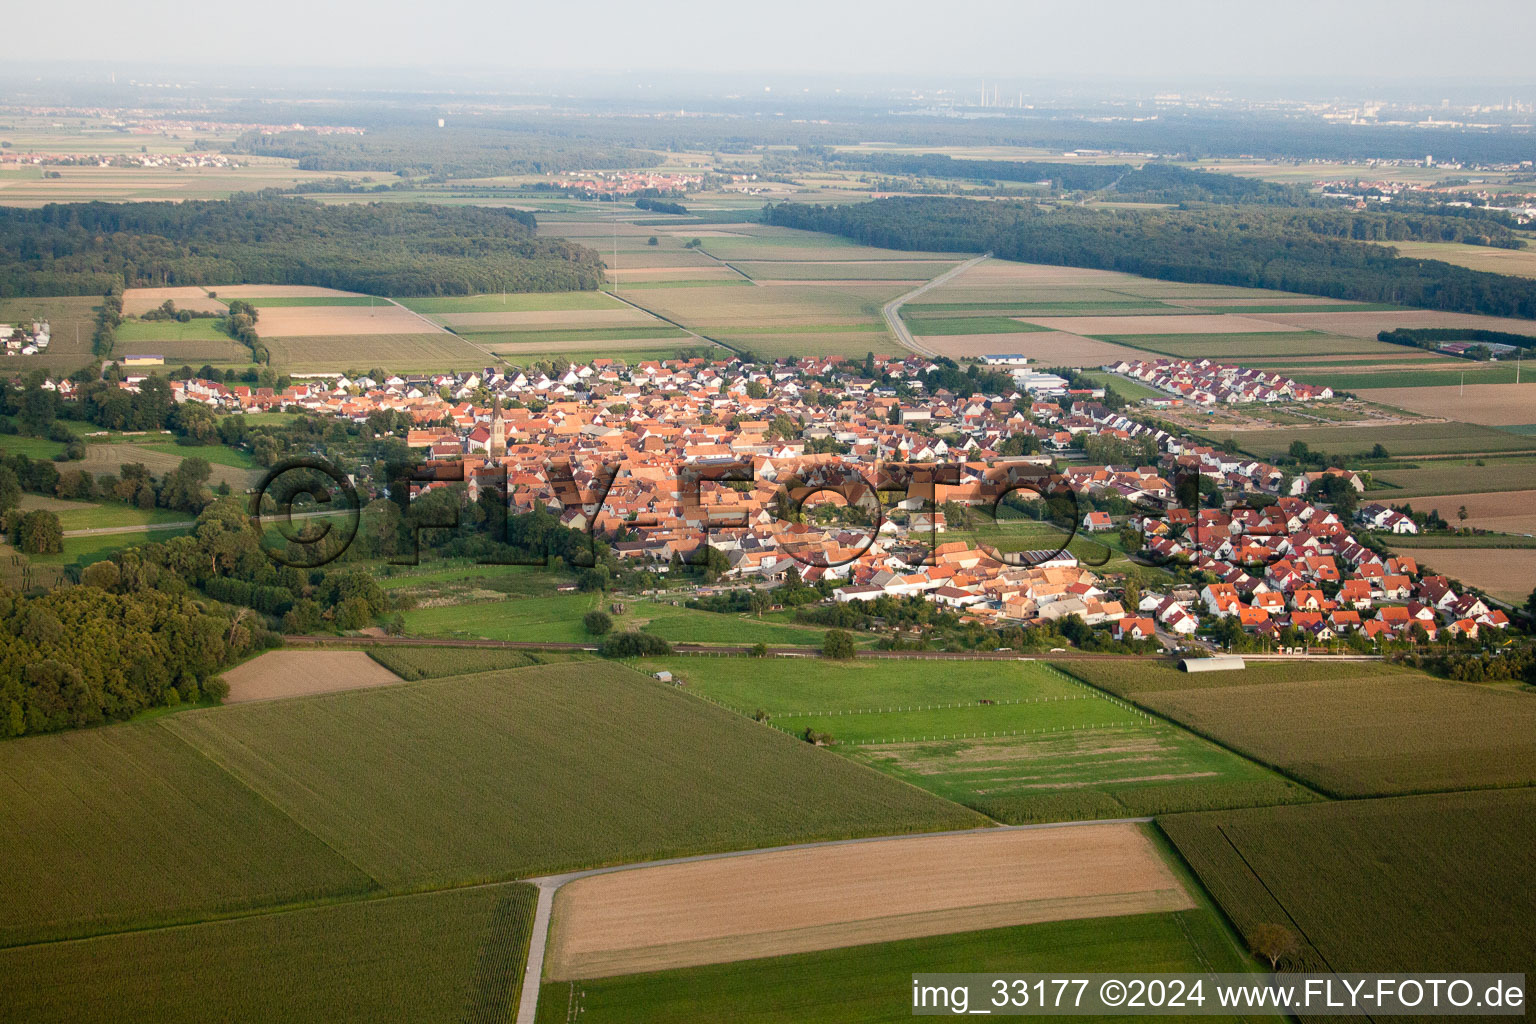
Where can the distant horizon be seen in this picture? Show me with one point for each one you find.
(1311, 46)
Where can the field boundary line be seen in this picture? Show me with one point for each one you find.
(243, 784)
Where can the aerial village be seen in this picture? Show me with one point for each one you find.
(1258, 551)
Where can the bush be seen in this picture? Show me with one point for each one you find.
(597, 622)
(215, 689)
(838, 644)
(634, 645)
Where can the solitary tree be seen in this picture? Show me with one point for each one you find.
(39, 533)
(1273, 942)
(597, 622)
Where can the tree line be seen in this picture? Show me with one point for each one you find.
(378, 248)
(1315, 252)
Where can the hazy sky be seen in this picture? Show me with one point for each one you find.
(1146, 39)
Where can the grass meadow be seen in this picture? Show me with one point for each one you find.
(1047, 748)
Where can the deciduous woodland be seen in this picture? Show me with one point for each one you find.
(383, 249)
(1317, 252)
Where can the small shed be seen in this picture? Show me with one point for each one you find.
(1220, 664)
(664, 676)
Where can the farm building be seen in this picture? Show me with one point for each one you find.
(1220, 664)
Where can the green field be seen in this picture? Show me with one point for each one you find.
(1433, 375)
(498, 336)
(691, 625)
(1046, 749)
(82, 551)
(541, 619)
(85, 515)
(1125, 387)
(218, 454)
(1367, 733)
(135, 332)
(1400, 440)
(1405, 884)
(934, 326)
(128, 825)
(32, 447)
(479, 778)
(456, 955)
(872, 984)
(1450, 476)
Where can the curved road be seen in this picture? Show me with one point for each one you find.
(892, 310)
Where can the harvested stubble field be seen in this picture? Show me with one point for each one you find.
(614, 316)
(138, 301)
(870, 984)
(305, 321)
(1501, 511)
(793, 901)
(92, 820)
(480, 778)
(1369, 324)
(1504, 573)
(277, 674)
(397, 352)
(1491, 404)
(456, 955)
(1403, 884)
(1371, 736)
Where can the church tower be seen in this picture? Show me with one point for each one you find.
(498, 445)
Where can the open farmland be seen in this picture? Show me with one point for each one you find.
(870, 984)
(1404, 884)
(436, 662)
(138, 301)
(1491, 404)
(1045, 348)
(1019, 742)
(1376, 734)
(278, 674)
(480, 777)
(1396, 482)
(71, 319)
(305, 321)
(415, 351)
(92, 820)
(1399, 439)
(436, 956)
(1500, 511)
(792, 901)
(1506, 574)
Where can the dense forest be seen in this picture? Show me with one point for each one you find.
(455, 152)
(1316, 252)
(379, 248)
(1150, 183)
